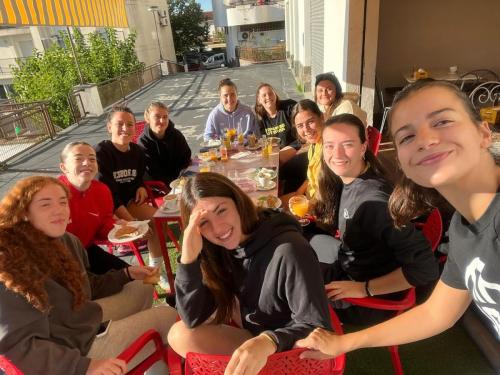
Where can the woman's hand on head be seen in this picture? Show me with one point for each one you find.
(192, 242)
(141, 195)
(110, 366)
(323, 344)
(345, 289)
(251, 356)
(141, 272)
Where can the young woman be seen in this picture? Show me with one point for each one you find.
(308, 122)
(251, 267)
(374, 257)
(274, 118)
(166, 150)
(91, 205)
(49, 322)
(330, 98)
(442, 146)
(121, 167)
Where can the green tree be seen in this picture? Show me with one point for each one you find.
(52, 75)
(189, 26)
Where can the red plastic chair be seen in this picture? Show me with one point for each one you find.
(160, 352)
(374, 139)
(277, 364)
(139, 128)
(8, 367)
(432, 230)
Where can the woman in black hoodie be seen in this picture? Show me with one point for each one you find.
(167, 152)
(251, 267)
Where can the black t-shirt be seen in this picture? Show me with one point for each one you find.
(474, 261)
(371, 245)
(122, 172)
(280, 126)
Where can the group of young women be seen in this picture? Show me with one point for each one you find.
(248, 283)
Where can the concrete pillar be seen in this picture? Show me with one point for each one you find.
(90, 99)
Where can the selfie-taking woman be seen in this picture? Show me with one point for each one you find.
(442, 147)
(374, 257)
(246, 265)
(51, 307)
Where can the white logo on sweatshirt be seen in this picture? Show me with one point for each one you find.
(346, 214)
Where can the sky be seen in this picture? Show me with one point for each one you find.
(205, 4)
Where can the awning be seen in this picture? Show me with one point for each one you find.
(82, 13)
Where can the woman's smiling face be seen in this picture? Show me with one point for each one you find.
(220, 223)
(308, 126)
(437, 142)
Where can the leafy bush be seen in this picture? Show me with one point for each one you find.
(51, 75)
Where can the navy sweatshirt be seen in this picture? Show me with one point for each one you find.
(278, 282)
(121, 171)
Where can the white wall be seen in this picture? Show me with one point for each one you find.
(335, 54)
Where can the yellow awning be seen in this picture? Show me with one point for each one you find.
(63, 13)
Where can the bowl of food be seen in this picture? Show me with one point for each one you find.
(177, 185)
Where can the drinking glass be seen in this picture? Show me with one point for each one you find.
(299, 206)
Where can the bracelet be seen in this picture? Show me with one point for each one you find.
(367, 289)
(270, 338)
(128, 274)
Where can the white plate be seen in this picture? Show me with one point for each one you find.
(211, 143)
(264, 199)
(269, 186)
(269, 172)
(142, 228)
(166, 210)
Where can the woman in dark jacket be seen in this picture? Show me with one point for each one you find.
(374, 257)
(252, 267)
(166, 150)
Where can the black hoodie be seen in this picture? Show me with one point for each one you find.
(165, 158)
(278, 281)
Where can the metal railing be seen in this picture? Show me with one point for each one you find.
(22, 126)
(116, 89)
(234, 3)
(7, 65)
(263, 54)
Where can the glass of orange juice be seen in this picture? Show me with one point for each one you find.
(204, 167)
(299, 206)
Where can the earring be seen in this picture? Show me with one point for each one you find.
(25, 218)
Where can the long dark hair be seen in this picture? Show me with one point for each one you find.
(408, 199)
(259, 108)
(329, 184)
(338, 91)
(216, 260)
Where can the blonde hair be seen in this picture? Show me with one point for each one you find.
(152, 105)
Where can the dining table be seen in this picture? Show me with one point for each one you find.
(241, 167)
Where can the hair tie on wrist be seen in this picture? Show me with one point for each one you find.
(128, 273)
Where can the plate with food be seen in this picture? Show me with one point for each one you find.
(211, 143)
(268, 173)
(131, 231)
(268, 201)
(268, 185)
(253, 148)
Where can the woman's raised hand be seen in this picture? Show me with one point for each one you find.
(110, 366)
(192, 241)
(250, 357)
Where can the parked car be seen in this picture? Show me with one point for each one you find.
(215, 61)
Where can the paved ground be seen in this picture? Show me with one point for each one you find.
(190, 97)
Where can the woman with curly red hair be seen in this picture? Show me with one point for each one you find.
(48, 321)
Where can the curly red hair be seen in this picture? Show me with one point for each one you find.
(28, 257)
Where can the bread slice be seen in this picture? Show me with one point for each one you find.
(126, 231)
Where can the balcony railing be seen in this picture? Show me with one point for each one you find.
(234, 3)
(276, 53)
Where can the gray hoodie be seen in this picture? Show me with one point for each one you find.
(219, 120)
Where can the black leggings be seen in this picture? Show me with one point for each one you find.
(294, 172)
(101, 261)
